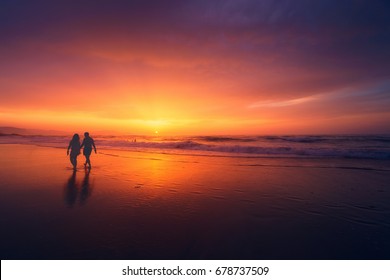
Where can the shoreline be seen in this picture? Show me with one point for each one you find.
(311, 147)
(359, 163)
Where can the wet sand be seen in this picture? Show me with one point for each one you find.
(134, 205)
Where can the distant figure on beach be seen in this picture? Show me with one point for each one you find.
(88, 143)
(74, 147)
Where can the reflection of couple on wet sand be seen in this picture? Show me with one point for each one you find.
(75, 147)
(72, 190)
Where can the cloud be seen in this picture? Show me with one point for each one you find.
(296, 58)
(284, 103)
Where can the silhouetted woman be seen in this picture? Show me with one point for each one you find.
(74, 147)
(88, 143)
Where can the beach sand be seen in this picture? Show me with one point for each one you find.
(134, 205)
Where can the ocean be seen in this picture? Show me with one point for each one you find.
(292, 146)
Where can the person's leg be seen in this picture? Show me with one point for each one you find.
(87, 154)
(73, 161)
(87, 160)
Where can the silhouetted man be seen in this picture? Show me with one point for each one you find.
(88, 143)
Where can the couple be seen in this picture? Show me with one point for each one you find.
(75, 147)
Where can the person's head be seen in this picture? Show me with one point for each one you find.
(86, 134)
(76, 137)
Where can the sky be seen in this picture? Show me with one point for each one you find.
(196, 67)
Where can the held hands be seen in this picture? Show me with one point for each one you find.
(67, 152)
(95, 151)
